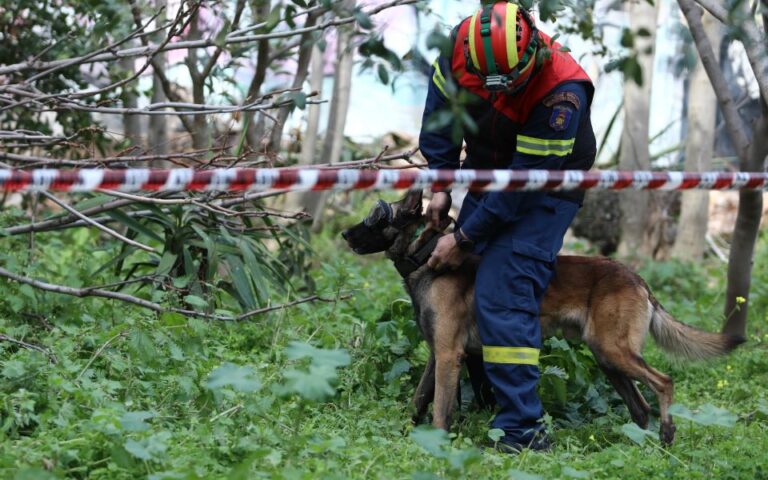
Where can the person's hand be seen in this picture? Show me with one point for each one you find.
(446, 255)
(438, 208)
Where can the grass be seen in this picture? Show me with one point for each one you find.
(133, 395)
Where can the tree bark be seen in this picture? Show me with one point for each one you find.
(745, 234)
(302, 68)
(252, 126)
(131, 123)
(337, 117)
(200, 129)
(734, 124)
(634, 153)
(157, 136)
(309, 140)
(690, 243)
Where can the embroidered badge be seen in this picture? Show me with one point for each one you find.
(560, 118)
(562, 97)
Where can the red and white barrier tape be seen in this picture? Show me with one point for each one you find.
(256, 179)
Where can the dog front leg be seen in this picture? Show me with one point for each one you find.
(425, 391)
(447, 369)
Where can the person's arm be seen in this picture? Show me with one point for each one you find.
(544, 142)
(436, 144)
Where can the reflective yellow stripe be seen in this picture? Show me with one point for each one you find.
(514, 355)
(438, 78)
(544, 146)
(512, 30)
(472, 50)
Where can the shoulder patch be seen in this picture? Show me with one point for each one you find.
(562, 97)
(561, 117)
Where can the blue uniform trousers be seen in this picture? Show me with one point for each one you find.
(516, 268)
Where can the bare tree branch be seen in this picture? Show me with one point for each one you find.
(101, 227)
(717, 10)
(733, 122)
(29, 346)
(203, 43)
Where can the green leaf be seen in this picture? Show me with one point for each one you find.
(321, 357)
(520, 475)
(274, 18)
(573, 473)
(242, 283)
(166, 263)
(495, 434)
(242, 379)
(196, 301)
(707, 415)
(383, 74)
(432, 440)
(34, 473)
(635, 433)
(299, 99)
(627, 38)
(134, 224)
(151, 448)
(438, 40)
(400, 367)
(363, 19)
(134, 421)
(314, 385)
(221, 37)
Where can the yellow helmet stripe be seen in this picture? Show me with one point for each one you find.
(472, 48)
(511, 29)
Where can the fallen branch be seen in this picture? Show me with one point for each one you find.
(156, 307)
(29, 346)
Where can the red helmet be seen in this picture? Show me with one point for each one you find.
(501, 46)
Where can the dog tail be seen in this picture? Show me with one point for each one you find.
(685, 341)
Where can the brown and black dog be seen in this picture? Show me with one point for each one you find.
(596, 299)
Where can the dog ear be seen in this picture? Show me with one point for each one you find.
(412, 201)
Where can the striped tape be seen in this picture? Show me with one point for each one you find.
(294, 179)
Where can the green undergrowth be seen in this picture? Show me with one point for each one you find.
(322, 389)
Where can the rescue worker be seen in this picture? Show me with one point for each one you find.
(532, 111)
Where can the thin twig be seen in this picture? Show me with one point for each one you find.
(122, 334)
(29, 346)
(203, 43)
(96, 224)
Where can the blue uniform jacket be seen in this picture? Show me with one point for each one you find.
(557, 135)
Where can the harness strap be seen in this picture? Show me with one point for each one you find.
(485, 33)
(410, 263)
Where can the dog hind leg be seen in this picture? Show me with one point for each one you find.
(481, 386)
(636, 367)
(425, 391)
(625, 386)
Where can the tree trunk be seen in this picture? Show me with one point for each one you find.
(253, 132)
(200, 132)
(302, 68)
(745, 234)
(131, 123)
(157, 136)
(634, 153)
(690, 243)
(337, 117)
(309, 139)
